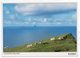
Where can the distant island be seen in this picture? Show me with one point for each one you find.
(62, 43)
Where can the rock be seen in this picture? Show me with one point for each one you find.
(30, 45)
(60, 38)
(40, 42)
(52, 39)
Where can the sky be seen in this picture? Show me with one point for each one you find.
(40, 14)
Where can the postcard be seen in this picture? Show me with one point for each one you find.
(39, 27)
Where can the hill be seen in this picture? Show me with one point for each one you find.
(61, 43)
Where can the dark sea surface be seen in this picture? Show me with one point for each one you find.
(16, 36)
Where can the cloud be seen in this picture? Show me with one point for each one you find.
(34, 9)
(68, 19)
(40, 14)
(6, 10)
(12, 17)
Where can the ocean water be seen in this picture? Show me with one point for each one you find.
(16, 36)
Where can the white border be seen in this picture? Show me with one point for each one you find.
(41, 53)
(36, 1)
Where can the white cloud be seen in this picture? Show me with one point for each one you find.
(7, 12)
(58, 22)
(74, 16)
(7, 22)
(31, 9)
(44, 20)
(12, 17)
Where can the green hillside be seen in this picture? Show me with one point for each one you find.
(61, 43)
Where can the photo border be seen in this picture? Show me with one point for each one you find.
(41, 54)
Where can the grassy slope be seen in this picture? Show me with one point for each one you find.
(66, 45)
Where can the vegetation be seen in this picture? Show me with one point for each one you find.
(62, 43)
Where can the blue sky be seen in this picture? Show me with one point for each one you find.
(55, 14)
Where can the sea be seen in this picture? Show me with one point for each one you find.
(14, 36)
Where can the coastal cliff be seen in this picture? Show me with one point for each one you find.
(61, 43)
